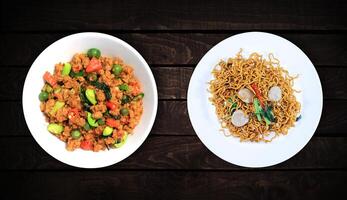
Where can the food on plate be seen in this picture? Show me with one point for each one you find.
(254, 97)
(92, 102)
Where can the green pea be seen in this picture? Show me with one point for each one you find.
(75, 134)
(124, 87)
(43, 96)
(125, 99)
(107, 131)
(124, 111)
(101, 122)
(117, 69)
(90, 94)
(86, 127)
(55, 129)
(94, 52)
(66, 69)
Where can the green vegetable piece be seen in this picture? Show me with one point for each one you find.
(121, 142)
(267, 121)
(90, 94)
(257, 108)
(124, 87)
(104, 87)
(58, 105)
(124, 111)
(56, 129)
(139, 96)
(107, 131)
(75, 134)
(125, 99)
(47, 88)
(43, 96)
(76, 74)
(66, 69)
(94, 52)
(101, 122)
(117, 69)
(86, 127)
(57, 90)
(92, 122)
(117, 117)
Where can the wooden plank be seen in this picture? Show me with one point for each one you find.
(175, 48)
(172, 15)
(174, 185)
(172, 82)
(174, 153)
(172, 119)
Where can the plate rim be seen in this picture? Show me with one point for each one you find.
(202, 139)
(151, 78)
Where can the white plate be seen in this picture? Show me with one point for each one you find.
(62, 51)
(248, 154)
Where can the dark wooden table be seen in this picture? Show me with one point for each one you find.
(173, 36)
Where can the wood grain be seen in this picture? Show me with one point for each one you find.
(174, 185)
(172, 15)
(174, 48)
(174, 153)
(172, 119)
(172, 82)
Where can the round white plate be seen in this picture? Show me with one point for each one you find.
(250, 154)
(62, 51)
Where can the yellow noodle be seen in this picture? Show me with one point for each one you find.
(239, 72)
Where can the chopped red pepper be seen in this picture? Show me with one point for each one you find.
(49, 79)
(86, 145)
(110, 105)
(258, 94)
(94, 65)
(112, 123)
(73, 113)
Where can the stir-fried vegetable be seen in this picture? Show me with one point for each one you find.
(75, 134)
(55, 128)
(265, 113)
(124, 111)
(258, 94)
(91, 121)
(107, 131)
(86, 145)
(43, 96)
(257, 108)
(117, 69)
(76, 74)
(121, 141)
(90, 94)
(100, 121)
(66, 69)
(58, 105)
(112, 123)
(94, 52)
(139, 96)
(110, 105)
(94, 65)
(125, 99)
(104, 87)
(49, 79)
(124, 87)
